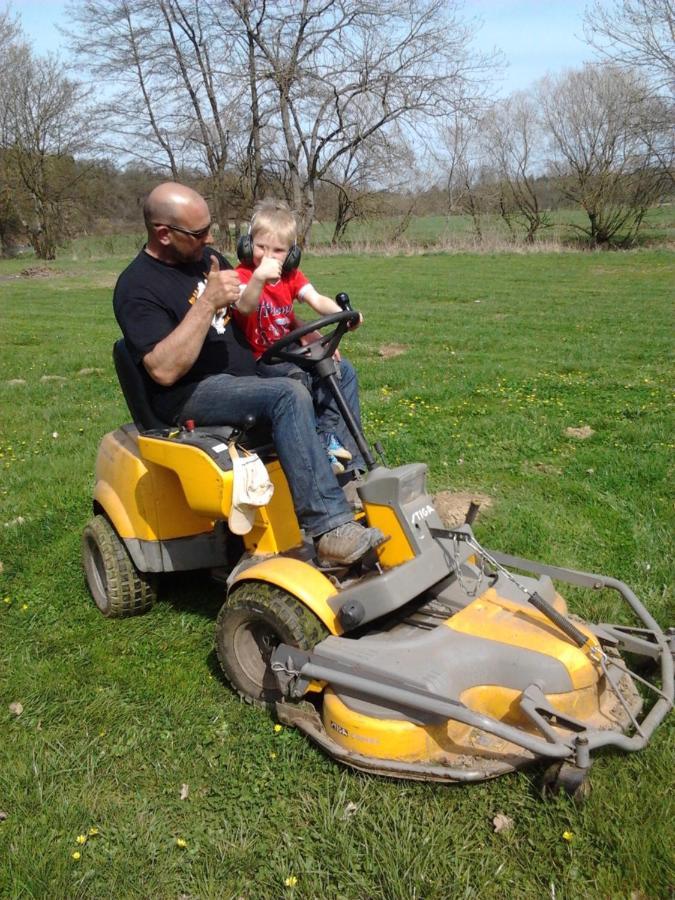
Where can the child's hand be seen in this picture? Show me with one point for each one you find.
(268, 270)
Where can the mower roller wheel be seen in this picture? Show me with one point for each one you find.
(118, 588)
(254, 620)
(564, 776)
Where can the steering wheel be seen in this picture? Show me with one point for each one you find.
(306, 357)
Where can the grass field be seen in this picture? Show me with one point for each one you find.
(502, 353)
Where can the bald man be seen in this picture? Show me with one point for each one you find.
(173, 306)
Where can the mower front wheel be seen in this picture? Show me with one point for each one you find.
(118, 588)
(256, 618)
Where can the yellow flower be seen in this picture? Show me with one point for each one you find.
(273, 755)
(76, 855)
(278, 728)
(81, 839)
(24, 606)
(181, 842)
(93, 831)
(291, 881)
(8, 599)
(568, 835)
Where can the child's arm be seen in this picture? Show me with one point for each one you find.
(268, 270)
(322, 304)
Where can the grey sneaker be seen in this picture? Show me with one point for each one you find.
(350, 490)
(346, 544)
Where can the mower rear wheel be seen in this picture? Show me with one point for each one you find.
(118, 588)
(256, 618)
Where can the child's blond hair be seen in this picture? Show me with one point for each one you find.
(275, 217)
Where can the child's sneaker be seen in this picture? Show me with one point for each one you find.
(335, 464)
(335, 448)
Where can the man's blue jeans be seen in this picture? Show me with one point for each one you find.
(328, 418)
(287, 406)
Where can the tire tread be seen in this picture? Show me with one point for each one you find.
(128, 591)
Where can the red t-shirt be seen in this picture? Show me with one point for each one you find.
(274, 316)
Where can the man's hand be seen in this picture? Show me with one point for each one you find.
(222, 287)
(269, 269)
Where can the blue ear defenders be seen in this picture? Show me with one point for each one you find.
(245, 254)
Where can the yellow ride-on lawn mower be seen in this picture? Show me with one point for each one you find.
(432, 658)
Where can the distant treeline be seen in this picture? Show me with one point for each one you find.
(350, 111)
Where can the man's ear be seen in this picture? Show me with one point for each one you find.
(162, 234)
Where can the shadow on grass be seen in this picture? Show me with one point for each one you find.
(193, 592)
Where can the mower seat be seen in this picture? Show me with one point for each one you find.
(133, 380)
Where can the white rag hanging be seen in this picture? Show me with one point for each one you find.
(251, 488)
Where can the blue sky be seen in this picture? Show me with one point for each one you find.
(535, 36)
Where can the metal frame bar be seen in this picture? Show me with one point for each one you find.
(290, 663)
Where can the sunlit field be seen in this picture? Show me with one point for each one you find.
(132, 770)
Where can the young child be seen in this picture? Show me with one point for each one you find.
(269, 274)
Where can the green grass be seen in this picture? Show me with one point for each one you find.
(457, 231)
(424, 232)
(503, 353)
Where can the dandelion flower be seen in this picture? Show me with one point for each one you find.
(24, 606)
(93, 832)
(181, 842)
(273, 755)
(81, 839)
(291, 881)
(278, 728)
(568, 835)
(76, 855)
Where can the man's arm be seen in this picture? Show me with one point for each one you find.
(175, 355)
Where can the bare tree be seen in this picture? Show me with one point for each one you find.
(513, 138)
(365, 175)
(471, 185)
(10, 220)
(172, 95)
(636, 34)
(9, 34)
(256, 93)
(345, 71)
(602, 133)
(45, 127)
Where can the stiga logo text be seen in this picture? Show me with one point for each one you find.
(421, 514)
(339, 728)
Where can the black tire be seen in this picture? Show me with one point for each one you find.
(118, 588)
(256, 618)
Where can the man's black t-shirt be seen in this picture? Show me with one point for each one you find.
(151, 298)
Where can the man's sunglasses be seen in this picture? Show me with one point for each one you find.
(195, 234)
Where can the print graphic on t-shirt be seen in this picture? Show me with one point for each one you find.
(273, 322)
(220, 318)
